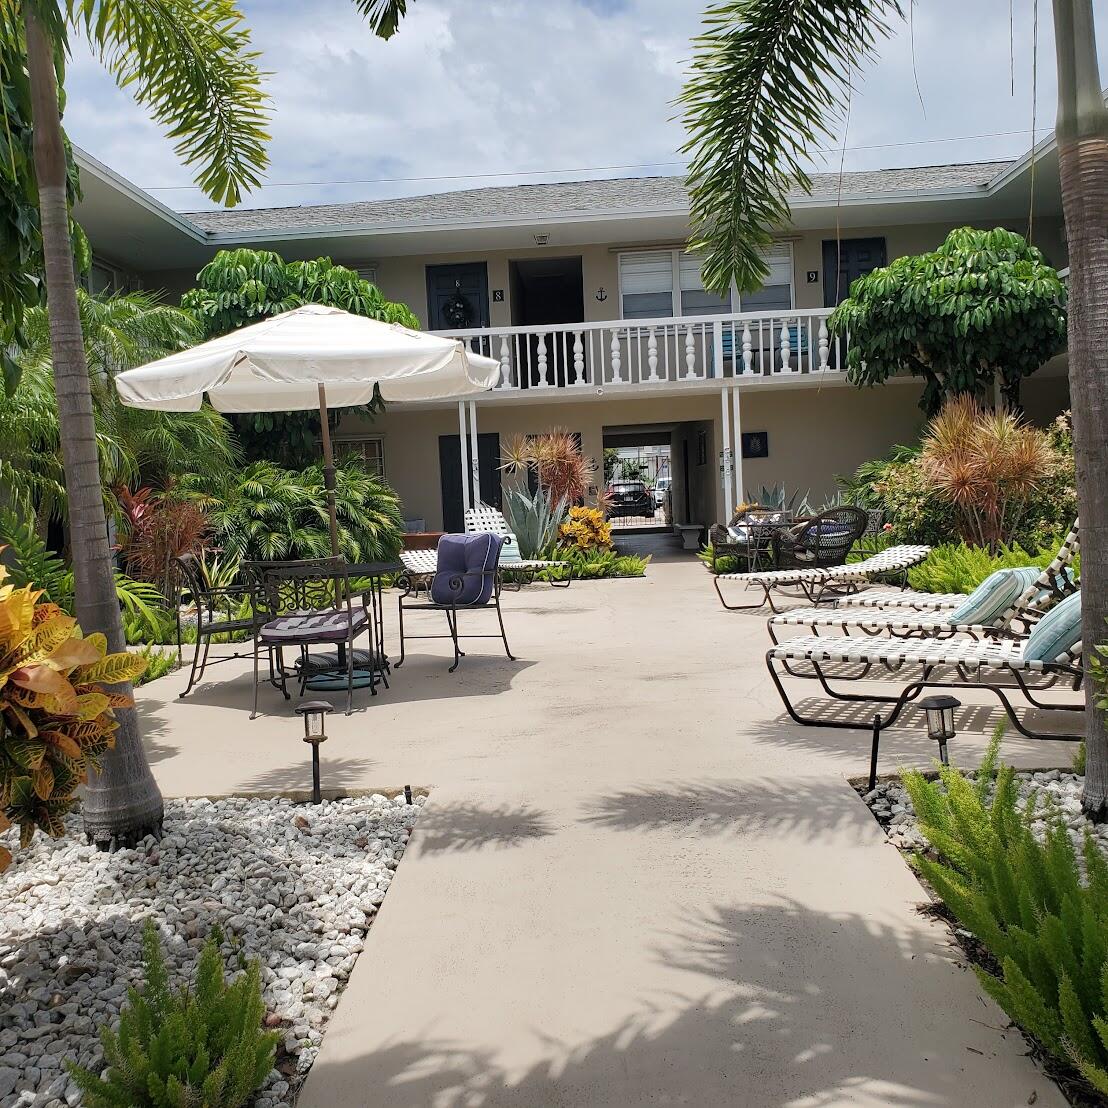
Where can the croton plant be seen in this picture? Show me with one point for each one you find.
(55, 713)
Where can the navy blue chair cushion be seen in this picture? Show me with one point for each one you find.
(465, 573)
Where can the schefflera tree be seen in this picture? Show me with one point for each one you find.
(982, 311)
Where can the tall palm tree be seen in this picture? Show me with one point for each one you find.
(190, 63)
(768, 80)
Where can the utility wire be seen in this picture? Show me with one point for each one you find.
(837, 150)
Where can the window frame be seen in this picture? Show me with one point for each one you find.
(341, 441)
(675, 289)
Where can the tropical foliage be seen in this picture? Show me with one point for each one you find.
(55, 716)
(958, 567)
(586, 529)
(917, 509)
(534, 520)
(1027, 900)
(983, 308)
(239, 287)
(133, 445)
(595, 562)
(553, 461)
(159, 528)
(264, 512)
(988, 465)
(194, 1047)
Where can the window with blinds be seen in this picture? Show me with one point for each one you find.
(662, 283)
(370, 451)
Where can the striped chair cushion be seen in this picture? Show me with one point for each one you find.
(1058, 634)
(994, 601)
(313, 627)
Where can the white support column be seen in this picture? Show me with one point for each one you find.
(736, 431)
(474, 454)
(725, 478)
(463, 446)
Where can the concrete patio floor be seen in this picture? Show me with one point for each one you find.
(634, 882)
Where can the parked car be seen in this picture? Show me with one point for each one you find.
(661, 487)
(629, 498)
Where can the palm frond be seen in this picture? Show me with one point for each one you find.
(768, 79)
(383, 16)
(189, 62)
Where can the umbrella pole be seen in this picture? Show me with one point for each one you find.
(328, 471)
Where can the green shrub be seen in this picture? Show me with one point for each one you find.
(1026, 901)
(595, 562)
(728, 563)
(158, 663)
(194, 1048)
(956, 567)
(264, 512)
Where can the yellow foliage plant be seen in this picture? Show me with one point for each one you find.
(587, 529)
(55, 713)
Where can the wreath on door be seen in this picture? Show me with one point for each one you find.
(458, 311)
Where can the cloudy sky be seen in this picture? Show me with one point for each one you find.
(514, 91)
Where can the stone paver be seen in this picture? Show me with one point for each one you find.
(634, 883)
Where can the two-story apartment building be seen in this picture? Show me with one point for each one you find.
(585, 294)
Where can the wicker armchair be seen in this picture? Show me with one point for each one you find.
(825, 540)
(758, 526)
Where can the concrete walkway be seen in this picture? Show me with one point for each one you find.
(633, 883)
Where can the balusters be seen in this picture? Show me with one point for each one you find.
(505, 363)
(540, 356)
(578, 359)
(616, 359)
(748, 349)
(690, 354)
(823, 344)
(652, 354)
(786, 347)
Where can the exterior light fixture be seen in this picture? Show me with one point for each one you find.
(940, 721)
(313, 713)
(541, 239)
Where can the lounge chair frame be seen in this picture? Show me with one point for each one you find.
(969, 667)
(485, 519)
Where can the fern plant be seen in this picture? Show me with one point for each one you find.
(1026, 901)
(957, 567)
(185, 1049)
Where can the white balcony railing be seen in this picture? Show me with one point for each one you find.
(633, 352)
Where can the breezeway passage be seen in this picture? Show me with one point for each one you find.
(633, 883)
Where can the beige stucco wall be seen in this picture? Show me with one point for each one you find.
(814, 433)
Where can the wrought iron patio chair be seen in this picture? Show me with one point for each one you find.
(220, 610)
(465, 578)
(318, 608)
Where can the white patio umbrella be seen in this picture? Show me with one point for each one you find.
(310, 357)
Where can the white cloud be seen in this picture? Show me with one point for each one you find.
(512, 85)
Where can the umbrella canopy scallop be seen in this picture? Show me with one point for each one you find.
(278, 365)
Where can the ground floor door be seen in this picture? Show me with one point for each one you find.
(450, 470)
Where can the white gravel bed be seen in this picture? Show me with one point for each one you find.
(1054, 791)
(296, 886)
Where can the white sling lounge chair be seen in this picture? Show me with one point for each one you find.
(485, 519)
(813, 583)
(1050, 655)
(1009, 602)
(1054, 573)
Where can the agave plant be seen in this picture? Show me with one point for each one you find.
(777, 498)
(55, 718)
(534, 520)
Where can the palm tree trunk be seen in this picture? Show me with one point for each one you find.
(1082, 132)
(121, 803)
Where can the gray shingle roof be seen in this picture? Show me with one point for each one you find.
(528, 202)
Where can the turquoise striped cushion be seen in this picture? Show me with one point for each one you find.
(993, 598)
(1057, 633)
